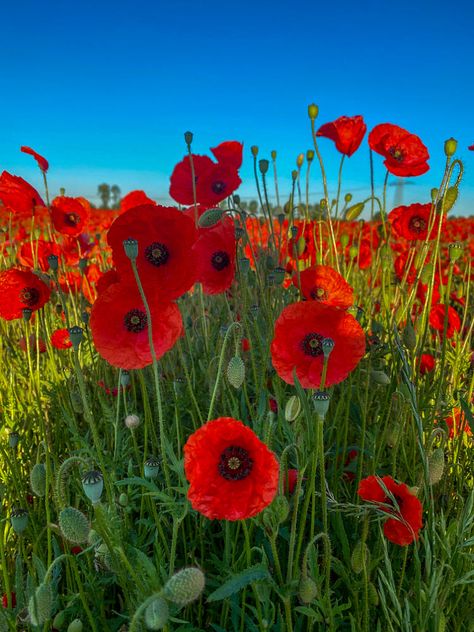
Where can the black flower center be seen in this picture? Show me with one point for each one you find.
(417, 224)
(72, 219)
(218, 186)
(396, 153)
(157, 253)
(135, 321)
(220, 260)
(29, 296)
(311, 345)
(235, 463)
(319, 294)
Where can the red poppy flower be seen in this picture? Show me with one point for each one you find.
(471, 147)
(412, 222)
(436, 319)
(457, 424)
(229, 153)
(325, 285)
(404, 528)
(289, 485)
(215, 257)
(134, 198)
(119, 326)
(106, 280)
(346, 131)
(299, 332)
(60, 339)
(34, 254)
(19, 290)
(42, 162)
(166, 262)
(232, 474)
(181, 182)
(18, 196)
(69, 215)
(427, 363)
(5, 599)
(404, 153)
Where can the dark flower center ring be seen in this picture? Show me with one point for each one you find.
(135, 321)
(218, 186)
(29, 296)
(396, 153)
(417, 224)
(72, 219)
(235, 463)
(157, 253)
(220, 260)
(319, 294)
(311, 345)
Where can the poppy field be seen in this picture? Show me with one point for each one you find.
(238, 417)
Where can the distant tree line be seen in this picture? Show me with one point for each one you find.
(109, 195)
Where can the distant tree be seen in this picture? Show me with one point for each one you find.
(104, 193)
(115, 191)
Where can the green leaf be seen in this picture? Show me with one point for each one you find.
(239, 581)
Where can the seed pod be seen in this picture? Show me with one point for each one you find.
(307, 590)
(40, 605)
(185, 586)
(151, 467)
(436, 466)
(292, 408)
(93, 485)
(313, 111)
(19, 520)
(450, 146)
(38, 479)
(360, 555)
(236, 371)
(157, 614)
(59, 620)
(74, 525)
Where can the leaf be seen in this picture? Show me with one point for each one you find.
(239, 581)
(136, 480)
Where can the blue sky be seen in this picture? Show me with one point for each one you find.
(106, 90)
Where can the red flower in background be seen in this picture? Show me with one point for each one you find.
(436, 319)
(18, 196)
(229, 153)
(69, 215)
(325, 285)
(5, 600)
(119, 326)
(404, 153)
(346, 131)
(471, 147)
(412, 222)
(404, 528)
(457, 424)
(34, 254)
(60, 339)
(166, 261)
(215, 257)
(134, 198)
(299, 332)
(232, 474)
(427, 363)
(42, 162)
(19, 290)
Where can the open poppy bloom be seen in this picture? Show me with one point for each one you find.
(166, 262)
(436, 319)
(119, 326)
(18, 196)
(232, 474)
(457, 424)
(42, 162)
(215, 257)
(412, 222)
(134, 198)
(403, 529)
(60, 339)
(325, 285)
(229, 153)
(297, 344)
(346, 131)
(19, 290)
(69, 215)
(34, 254)
(404, 153)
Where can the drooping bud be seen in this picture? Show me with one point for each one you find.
(40, 605)
(380, 377)
(74, 525)
(360, 557)
(450, 147)
(236, 371)
(436, 466)
(38, 479)
(313, 111)
(211, 217)
(307, 590)
(130, 246)
(292, 408)
(449, 199)
(353, 212)
(156, 614)
(409, 336)
(185, 586)
(93, 485)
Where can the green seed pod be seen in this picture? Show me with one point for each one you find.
(131, 248)
(353, 212)
(211, 217)
(344, 239)
(263, 165)
(236, 371)
(426, 273)
(13, 439)
(321, 401)
(75, 626)
(74, 525)
(279, 274)
(38, 479)
(93, 485)
(455, 251)
(188, 138)
(59, 620)
(450, 146)
(273, 154)
(254, 150)
(313, 111)
(373, 594)
(409, 336)
(353, 251)
(76, 334)
(19, 520)
(307, 590)
(348, 197)
(40, 606)
(436, 466)
(292, 408)
(151, 467)
(185, 586)
(360, 554)
(156, 614)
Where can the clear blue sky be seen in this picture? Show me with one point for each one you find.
(105, 89)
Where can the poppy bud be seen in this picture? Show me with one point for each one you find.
(188, 138)
(156, 614)
(273, 154)
(19, 520)
(75, 335)
(131, 248)
(53, 262)
(93, 485)
(434, 194)
(74, 525)
(307, 590)
(353, 250)
(450, 147)
(455, 251)
(40, 606)
(348, 197)
(294, 175)
(62, 191)
(299, 160)
(254, 150)
(450, 198)
(310, 155)
(409, 336)
(426, 273)
(59, 620)
(75, 626)
(344, 239)
(210, 217)
(38, 479)
(292, 408)
(185, 586)
(123, 500)
(354, 211)
(151, 467)
(263, 165)
(82, 265)
(380, 377)
(436, 466)
(373, 594)
(360, 557)
(321, 403)
(313, 111)
(236, 372)
(323, 204)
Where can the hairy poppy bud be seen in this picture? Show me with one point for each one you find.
(132, 421)
(450, 146)
(236, 371)
(360, 557)
(436, 466)
(450, 198)
(185, 586)
(74, 525)
(313, 111)
(307, 590)
(38, 479)
(210, 217)
(292, 408)
(354, 211)
(40, 606)
(156, 614)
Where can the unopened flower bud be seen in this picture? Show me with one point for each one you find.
(353, 212)
(313, 111)
(156, 614)
(310, 155)
(74, 525)
(299, 160)
(450, 146)
(348, 197)
(344, 239)
(273, 154)
(188, 138)
(254, 150)
(294, 175)
(185, 586)
(307, 590)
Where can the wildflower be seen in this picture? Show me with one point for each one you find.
(17, 196)
(60, 339)
(69, 215)
(215, 257)
(133, 199)
(437, 317)
(20, 289)
(232, 474)
(325, 285)
(346, 131)
(457, 424)
(412, 222)
(42, 162)
(404, 153)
